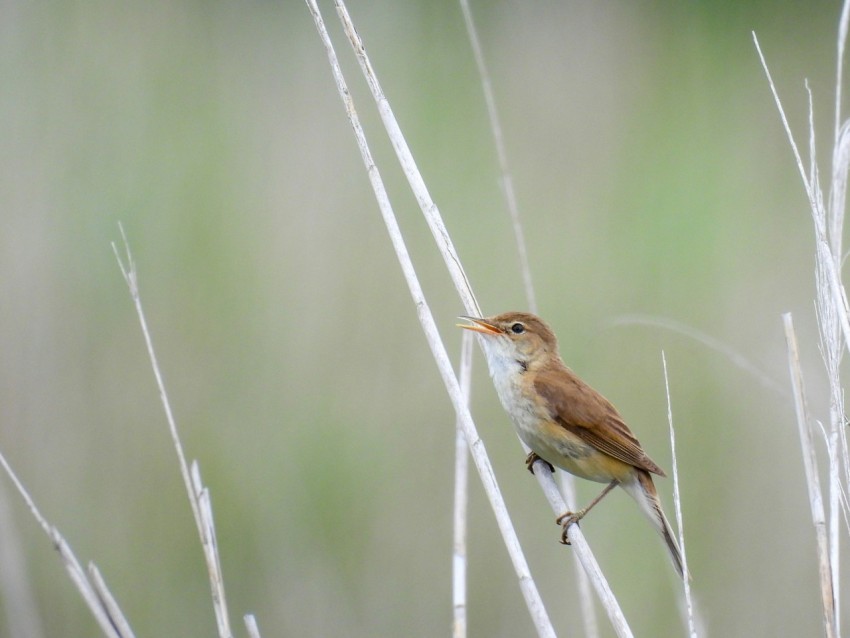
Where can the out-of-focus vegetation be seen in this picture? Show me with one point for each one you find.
(653, 177)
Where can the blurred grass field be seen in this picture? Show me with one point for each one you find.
(653, 177)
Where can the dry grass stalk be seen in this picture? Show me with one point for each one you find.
(429, 326)
(810, 466)
(677, 501)
(538, 613)
(251, 626)
(502, 154)
(102, 604)
(591, 628)
(198, 495)
(834, 327)
(461, 499)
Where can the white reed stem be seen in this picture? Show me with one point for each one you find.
(566, 479)
(833, 315)
(251, 626)
(453, 264)
(408, 165)
(583, 552)
(198, 495)
(502, 154)
(831, 274)
(107, 600)
(102, 605)
(839, 69)
(538, 613)
(810, 467)
(461, 498)
(839, 452)
(677, 502)
(567, 484)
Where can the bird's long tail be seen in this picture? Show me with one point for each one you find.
(642, 489)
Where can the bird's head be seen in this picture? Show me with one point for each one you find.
(517, 336)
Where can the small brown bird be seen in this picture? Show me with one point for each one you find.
(564, 421)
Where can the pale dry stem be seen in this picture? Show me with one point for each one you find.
(198, 494)
(834, 327)
(567, 482)
(810, 466)
(461, 499)
(476, 446)
(677, 502)
(452, 261)
(102, 604)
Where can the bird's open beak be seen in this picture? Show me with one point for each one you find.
(479, 325)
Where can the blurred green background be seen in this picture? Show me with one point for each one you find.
(653, 177)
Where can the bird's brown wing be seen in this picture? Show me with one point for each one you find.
(584, 412)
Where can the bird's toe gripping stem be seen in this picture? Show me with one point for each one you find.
(532, 458)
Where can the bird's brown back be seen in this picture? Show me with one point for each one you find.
(584, 412)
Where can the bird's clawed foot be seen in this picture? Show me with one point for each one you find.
(565, 520)
(532, 458)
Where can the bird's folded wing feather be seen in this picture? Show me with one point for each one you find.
(584, 412)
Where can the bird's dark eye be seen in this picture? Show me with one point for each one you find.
(517, 328)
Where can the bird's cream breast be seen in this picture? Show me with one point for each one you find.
(546, 438)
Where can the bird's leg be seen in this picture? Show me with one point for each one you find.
(532, 458)
(568, 518)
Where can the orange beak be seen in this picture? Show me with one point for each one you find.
(478, 325)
